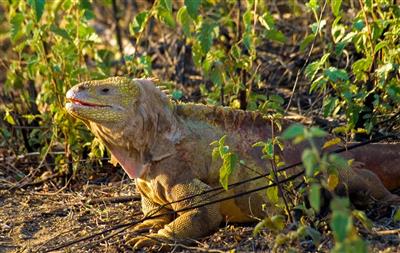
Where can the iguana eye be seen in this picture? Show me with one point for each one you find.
(105, 90)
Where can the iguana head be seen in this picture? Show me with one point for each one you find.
(104, 102)
(132, 117)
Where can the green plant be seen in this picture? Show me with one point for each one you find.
(51, 40)
(223, 42)
(365, 88)
(321, 171)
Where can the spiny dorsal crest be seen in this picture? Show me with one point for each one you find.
(161, 86)
(226, 117)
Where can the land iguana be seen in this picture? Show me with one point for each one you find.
(165, 146)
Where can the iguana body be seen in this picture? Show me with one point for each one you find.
(166, 147)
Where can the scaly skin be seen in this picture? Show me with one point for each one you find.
(166, 147)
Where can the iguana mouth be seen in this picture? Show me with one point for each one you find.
(80, 102)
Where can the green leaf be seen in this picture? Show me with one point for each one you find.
(223, 150)
(60, 32)
(273, 194)
(138, 23)
(260, 225)
(9, 118)
(368, 4)
(314, 234)
(317, 26)
(275, 35)
(338, 30)
(317, 132)
(331, 142)
(166, 4)
(340, 204)
(339, 48)
(215, 154)
(266, 20)
(313, 5)
(361, 216)
(276, 98)
(318, 84)
(166, 17)
(338, 161)
(16, 22)
(309, 161)
(85, 5)
(248, 40)
(349, 37)
(359, 24)
(235, 51)
(381, 45)
(177, 94)
(335, 74)
(274, 223)
(315, 197)
(247, 18)
(352, 116)
(184, 19)
(293, 131)
(312, 70)
(341, 223)
(335, 5)
(216, 76)
(332, 181)
(89, 14)
(197, 54)
(38, 7)
(164, 12)
(384, 70)
(193, 7)
(329, 105)
(396, 216)
(278, 221)
(361, 67)
(228, 167)
(307, 40)
(205, 36)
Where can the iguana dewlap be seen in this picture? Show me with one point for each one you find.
(166, 147)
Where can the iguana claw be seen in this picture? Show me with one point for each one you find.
(153, 225)
(147, 241)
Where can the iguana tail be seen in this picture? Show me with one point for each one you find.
(383, 159)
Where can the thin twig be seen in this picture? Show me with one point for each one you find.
(118, 199)
(118, 31)
(275, 173)
(388, 232)
(307, 59)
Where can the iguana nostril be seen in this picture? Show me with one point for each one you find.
(81, 88)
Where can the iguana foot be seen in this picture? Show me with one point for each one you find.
(149, 240)
(391, 199)
(153, 225)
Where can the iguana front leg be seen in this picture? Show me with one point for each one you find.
(192, 223)
(149, 208)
